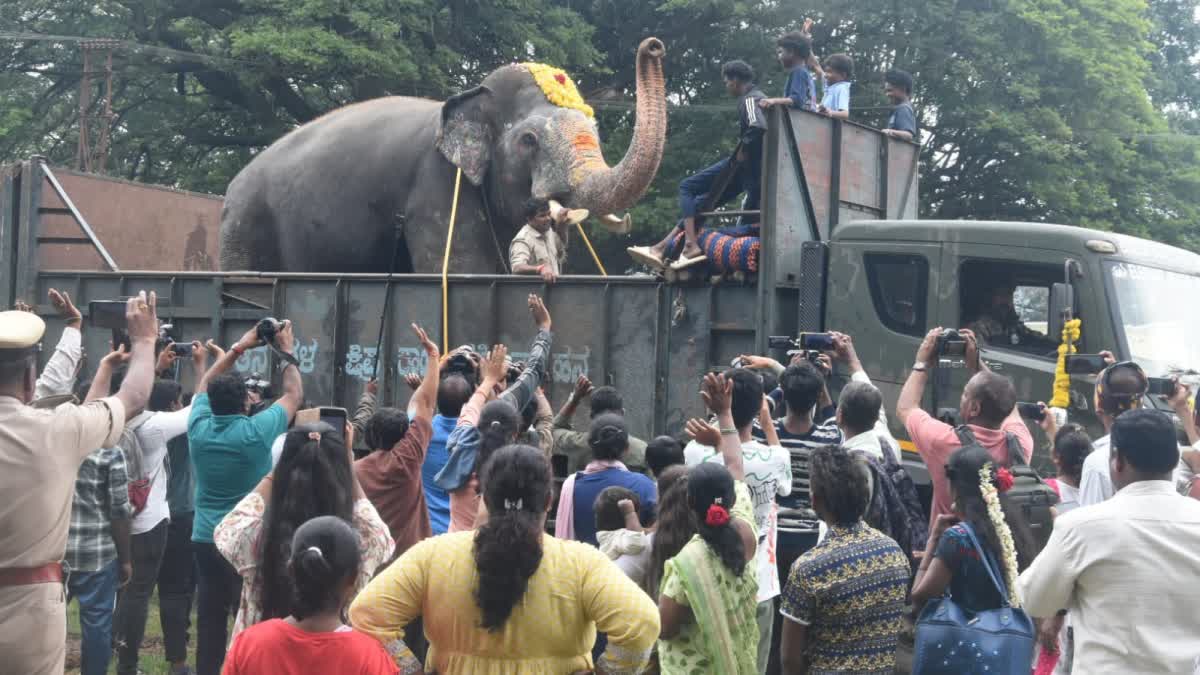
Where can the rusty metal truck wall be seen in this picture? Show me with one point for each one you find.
(650, 340)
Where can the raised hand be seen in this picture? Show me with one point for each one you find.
(373, 386)
(541, 315)
(166, 359)
(717, 393)
(412, 380)
(141, 317)
(65, 308)
(703, 432)
(494, 367)
(431, 349)
(583, 388)
(199, 356)
(116, 357)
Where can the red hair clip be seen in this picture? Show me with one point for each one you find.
(717, 516)
(1004, 480)
(561, 77)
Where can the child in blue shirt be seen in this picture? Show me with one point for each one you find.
(794, 51)
(839, 68)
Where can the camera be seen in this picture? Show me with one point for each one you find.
(818, 342)
(181, 348)
(1032, 411)
(267, 329)
(951, 344)
(462, 362)
(812, 356)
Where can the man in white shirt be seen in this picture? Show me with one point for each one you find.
(164, 419)
(860, 413)
(1127, 568)
(1120, 388)
(768, 474)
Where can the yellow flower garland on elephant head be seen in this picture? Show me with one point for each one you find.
(1062, 381)
(558, 87)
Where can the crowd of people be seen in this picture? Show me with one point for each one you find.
(430, 548)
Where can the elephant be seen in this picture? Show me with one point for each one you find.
(341, 193)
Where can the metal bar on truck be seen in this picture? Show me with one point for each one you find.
(729, 214)
(835, 176)
(83, 223)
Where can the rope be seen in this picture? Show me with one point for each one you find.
(590, 249)
(446, 266)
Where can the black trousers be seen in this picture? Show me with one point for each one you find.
(218, 587)
(176, 586)
(134, 601)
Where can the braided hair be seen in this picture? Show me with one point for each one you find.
(508, 548)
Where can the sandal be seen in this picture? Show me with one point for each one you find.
(685, 263)
(645, 255)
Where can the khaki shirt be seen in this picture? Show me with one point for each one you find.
(531, 247)
(40, 454)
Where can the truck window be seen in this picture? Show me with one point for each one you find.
(1007, 304)
(899, 284)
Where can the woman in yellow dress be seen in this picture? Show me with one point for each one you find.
(509, 598)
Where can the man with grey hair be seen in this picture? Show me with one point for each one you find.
(860, 411)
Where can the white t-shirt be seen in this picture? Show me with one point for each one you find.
(768, 474)
(155, 432)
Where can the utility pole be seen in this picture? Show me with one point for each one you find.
(93, 150)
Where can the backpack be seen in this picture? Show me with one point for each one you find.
(139, 480)
(906, 492)
(1029, 493)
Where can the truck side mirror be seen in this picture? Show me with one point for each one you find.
(1062, 306)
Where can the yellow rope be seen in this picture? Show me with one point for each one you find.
(446, 267)
(590, 249)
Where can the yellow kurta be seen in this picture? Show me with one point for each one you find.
(575, 591)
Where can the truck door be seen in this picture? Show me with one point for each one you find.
(884, 295)
(1002, 293)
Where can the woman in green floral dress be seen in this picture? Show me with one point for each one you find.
(707, 600)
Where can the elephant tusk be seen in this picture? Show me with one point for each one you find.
(562, 214)
(617, 224)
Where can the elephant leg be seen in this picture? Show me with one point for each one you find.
(473, 250)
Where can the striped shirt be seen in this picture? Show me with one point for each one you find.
(795, 510)
(101, 496)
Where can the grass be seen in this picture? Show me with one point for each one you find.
(152, 656)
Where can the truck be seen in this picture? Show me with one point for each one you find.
(842, 249)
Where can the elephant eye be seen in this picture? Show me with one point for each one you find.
(529, 140)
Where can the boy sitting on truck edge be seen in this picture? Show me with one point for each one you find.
(746, 165)
(794, 51)
(839, 68)
(902, 123)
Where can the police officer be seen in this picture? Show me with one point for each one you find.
(40, 453)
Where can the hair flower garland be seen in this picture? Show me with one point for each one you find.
(991, 497)
(558, 87)
(1062, 381)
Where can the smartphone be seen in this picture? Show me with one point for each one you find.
(781, 342)
(821, 342)
(108, 314)
(336, 418)
(1085, 364)
(1032, 411)
(1161, 386)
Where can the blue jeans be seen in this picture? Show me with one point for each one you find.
(694, 189)
(97, 595)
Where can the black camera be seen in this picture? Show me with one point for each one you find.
(267, 329)
(181, 348)
(812, 356)
(819, 342)
(462, 363)
(514, 371)
(1032, 411)
(951, 344)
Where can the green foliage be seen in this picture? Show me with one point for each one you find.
(1074, 111)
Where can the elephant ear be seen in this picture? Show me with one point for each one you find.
(465, 135)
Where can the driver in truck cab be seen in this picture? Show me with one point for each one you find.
(996, 322)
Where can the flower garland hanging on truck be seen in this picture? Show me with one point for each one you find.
(1062, 381)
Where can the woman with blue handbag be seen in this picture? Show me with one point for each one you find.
(970, 618)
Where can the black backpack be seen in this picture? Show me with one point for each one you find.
(1029, 493)
(906, 491)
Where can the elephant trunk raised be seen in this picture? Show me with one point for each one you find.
(604, 189)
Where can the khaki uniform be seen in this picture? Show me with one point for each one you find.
(40, 454)
(531, 247)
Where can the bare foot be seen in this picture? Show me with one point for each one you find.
(691, 250)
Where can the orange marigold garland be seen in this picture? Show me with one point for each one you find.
(558, 87)
(1062, 381)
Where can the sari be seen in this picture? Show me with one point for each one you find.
(724, 635)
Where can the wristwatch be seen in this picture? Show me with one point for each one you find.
(920, 367)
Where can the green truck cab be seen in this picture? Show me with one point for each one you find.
(887, 283)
